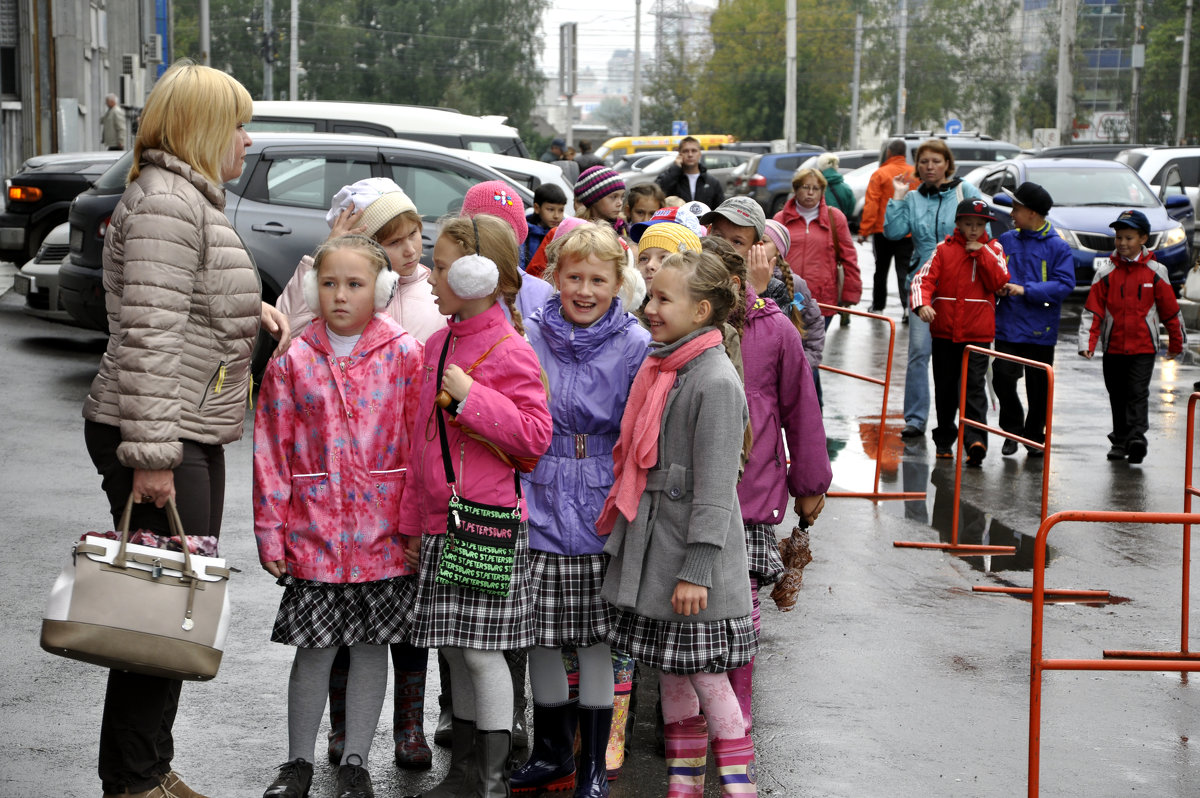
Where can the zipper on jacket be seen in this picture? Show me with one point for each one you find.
(215, 383)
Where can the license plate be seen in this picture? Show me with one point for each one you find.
(76, 239)
(23, 284)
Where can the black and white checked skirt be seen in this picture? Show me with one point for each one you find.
(322, 615)
(762, 553)
(683, 648)
(446, 615)
(567, 608)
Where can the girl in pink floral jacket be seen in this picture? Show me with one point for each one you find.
(332, 435)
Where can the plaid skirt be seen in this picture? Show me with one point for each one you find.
(446, 615)
(567, 608)
(762, 553)
(683, 648)
(322, 614)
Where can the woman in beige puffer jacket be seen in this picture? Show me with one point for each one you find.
(184, 308)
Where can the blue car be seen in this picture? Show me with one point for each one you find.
(1088, 196)
(768, 178)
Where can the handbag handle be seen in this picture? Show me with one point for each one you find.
(176, 526)
(447, 462)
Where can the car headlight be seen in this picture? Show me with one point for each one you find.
(1070, 237)
(1173, 236)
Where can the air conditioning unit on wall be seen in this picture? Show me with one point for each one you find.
(132, 80)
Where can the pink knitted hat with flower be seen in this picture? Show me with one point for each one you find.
(497, 198)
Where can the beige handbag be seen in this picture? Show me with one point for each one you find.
(140, 609)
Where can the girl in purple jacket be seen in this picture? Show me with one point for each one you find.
(782, 399)
(590, 350)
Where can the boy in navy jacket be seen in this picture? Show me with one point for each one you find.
(1127, 300)
(1041, 273)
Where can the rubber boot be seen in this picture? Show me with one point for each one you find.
(622, 689)
(338, 674)
(551, 765)
(742, 681)
(442, 734)
(492, 766)
(591, 780)
(735, 763)
(462, 775)
(408, 721)
(687, 754)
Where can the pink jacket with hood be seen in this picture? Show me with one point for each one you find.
(331, 442)
(506, 406)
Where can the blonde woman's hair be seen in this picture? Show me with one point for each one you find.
(707, 279)
(497, 242)
(191, 113)
(583, 242)
(802, 174)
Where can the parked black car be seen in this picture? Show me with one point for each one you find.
(278, 204)
(39, 196)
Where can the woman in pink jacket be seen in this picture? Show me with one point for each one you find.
(332, 434)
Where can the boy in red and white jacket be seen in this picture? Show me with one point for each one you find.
(955, 294)
(1125, 304)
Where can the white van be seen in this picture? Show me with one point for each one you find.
(434, 125)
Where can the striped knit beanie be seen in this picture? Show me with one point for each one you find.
(671, 236)
(596, 183)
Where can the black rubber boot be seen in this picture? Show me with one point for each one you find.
(591, 780)
(492, 766)
(551, 764)
(462, 776)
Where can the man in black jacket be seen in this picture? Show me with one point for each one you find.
(687, 177)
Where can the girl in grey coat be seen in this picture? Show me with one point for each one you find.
(677, 576)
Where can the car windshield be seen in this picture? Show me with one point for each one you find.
(1095, 187)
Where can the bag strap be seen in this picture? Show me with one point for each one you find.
(173, 521)
(447, 462)
(833, 233)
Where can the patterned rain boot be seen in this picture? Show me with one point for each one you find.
(622, 691)
(742, 681)
(408, 721)
(551, 765)
(594, 726)
(687, 754)
(338, 675)
(735, 763)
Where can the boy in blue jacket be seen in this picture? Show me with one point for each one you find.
(1041, 274)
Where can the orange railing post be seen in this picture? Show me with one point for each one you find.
(1189, 490)
(886, 382)
(1156, 661)
(967, 549)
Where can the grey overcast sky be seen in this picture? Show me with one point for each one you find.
(603, 27)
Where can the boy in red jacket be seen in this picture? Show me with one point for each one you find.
(1127, 300)
(955, 294)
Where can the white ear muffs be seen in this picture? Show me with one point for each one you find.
(473, 277)
(385, 287)
(311, 294)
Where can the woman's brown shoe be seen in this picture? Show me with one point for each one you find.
(175, 788)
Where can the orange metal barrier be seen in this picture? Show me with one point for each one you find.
(967, 549)
(1189, 490)
(886, 382)
(1038, 663)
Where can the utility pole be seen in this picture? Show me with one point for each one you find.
(1137, 61)
(789, 100)
(1181, 116)
(901, 91)
(637, 69)
(566, 75)
(268, 47)
(1064, 118)
(205, 34)
(854, 85)
(294, 54)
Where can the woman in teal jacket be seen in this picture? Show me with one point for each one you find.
(928, 215)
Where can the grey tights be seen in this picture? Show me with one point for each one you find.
(482, 687)
(308, 687)
(548, 676)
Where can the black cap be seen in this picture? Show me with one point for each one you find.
(1134, 220)
(1033, 197)
(974, 207)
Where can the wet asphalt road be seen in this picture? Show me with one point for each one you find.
(890, 678)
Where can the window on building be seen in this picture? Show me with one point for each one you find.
(9, 55)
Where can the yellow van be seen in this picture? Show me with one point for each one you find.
(615, 149)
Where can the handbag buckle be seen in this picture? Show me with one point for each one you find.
(156, 571)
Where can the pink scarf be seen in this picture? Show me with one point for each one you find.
(636, 451)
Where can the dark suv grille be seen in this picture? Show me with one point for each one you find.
(52, 253)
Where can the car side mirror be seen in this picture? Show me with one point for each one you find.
(1173, 201)
(1003, 199)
